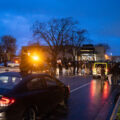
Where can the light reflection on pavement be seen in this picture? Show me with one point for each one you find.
(85, 103)
(97, 89)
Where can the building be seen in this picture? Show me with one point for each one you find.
(45, 52)
(115, 58)
(90, 52)
(87, 52)
(100, 53)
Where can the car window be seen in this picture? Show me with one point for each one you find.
(35, 84)
(8, 82)
(50, 82)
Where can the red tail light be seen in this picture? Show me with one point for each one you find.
(4, 101)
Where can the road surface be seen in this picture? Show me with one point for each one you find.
(87, 98)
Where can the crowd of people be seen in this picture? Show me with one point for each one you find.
(113, 74)
(75, 68)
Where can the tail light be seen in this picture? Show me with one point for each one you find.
(4, 101)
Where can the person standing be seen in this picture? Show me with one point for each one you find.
(110, 75)
(115, 73)
(102, 74)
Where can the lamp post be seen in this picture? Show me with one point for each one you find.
(35, 58)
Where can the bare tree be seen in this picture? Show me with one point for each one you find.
(77, 39)
(8, 46)
(56, 33)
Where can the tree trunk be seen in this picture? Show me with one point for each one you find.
(54, 65)
(5, 60)
(74, 64)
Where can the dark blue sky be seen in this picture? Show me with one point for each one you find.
(100, 17)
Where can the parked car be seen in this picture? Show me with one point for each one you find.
(1, 64)
(13, 64)
(23, 97)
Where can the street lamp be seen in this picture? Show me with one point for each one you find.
(35, 58)
(111, 54)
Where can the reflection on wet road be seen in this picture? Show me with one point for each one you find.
(97, 89)
(85, 102)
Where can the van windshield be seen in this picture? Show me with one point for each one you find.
(100, 65)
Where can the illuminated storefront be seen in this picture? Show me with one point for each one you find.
(87, 53)
(90, 52)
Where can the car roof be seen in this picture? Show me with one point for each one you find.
(18, 74)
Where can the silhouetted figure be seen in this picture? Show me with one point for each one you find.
(60, 69)
(102, 74)
(115, 73)
(110, 75)
(78, 65)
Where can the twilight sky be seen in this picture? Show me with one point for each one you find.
(100, 17)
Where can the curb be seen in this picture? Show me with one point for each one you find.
(115, 110)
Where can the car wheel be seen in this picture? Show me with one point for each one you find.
(30, 114)
(64, 102)
(62, 108)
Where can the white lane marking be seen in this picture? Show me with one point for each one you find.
(79, 87)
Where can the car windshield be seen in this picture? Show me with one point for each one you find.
(8, 82)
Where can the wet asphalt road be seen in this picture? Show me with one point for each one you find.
(86, 100)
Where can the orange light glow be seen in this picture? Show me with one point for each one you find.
(105, 90)
(36, 58)
(16, 61)
(28, 53)
(93, 88)
(106, 57)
